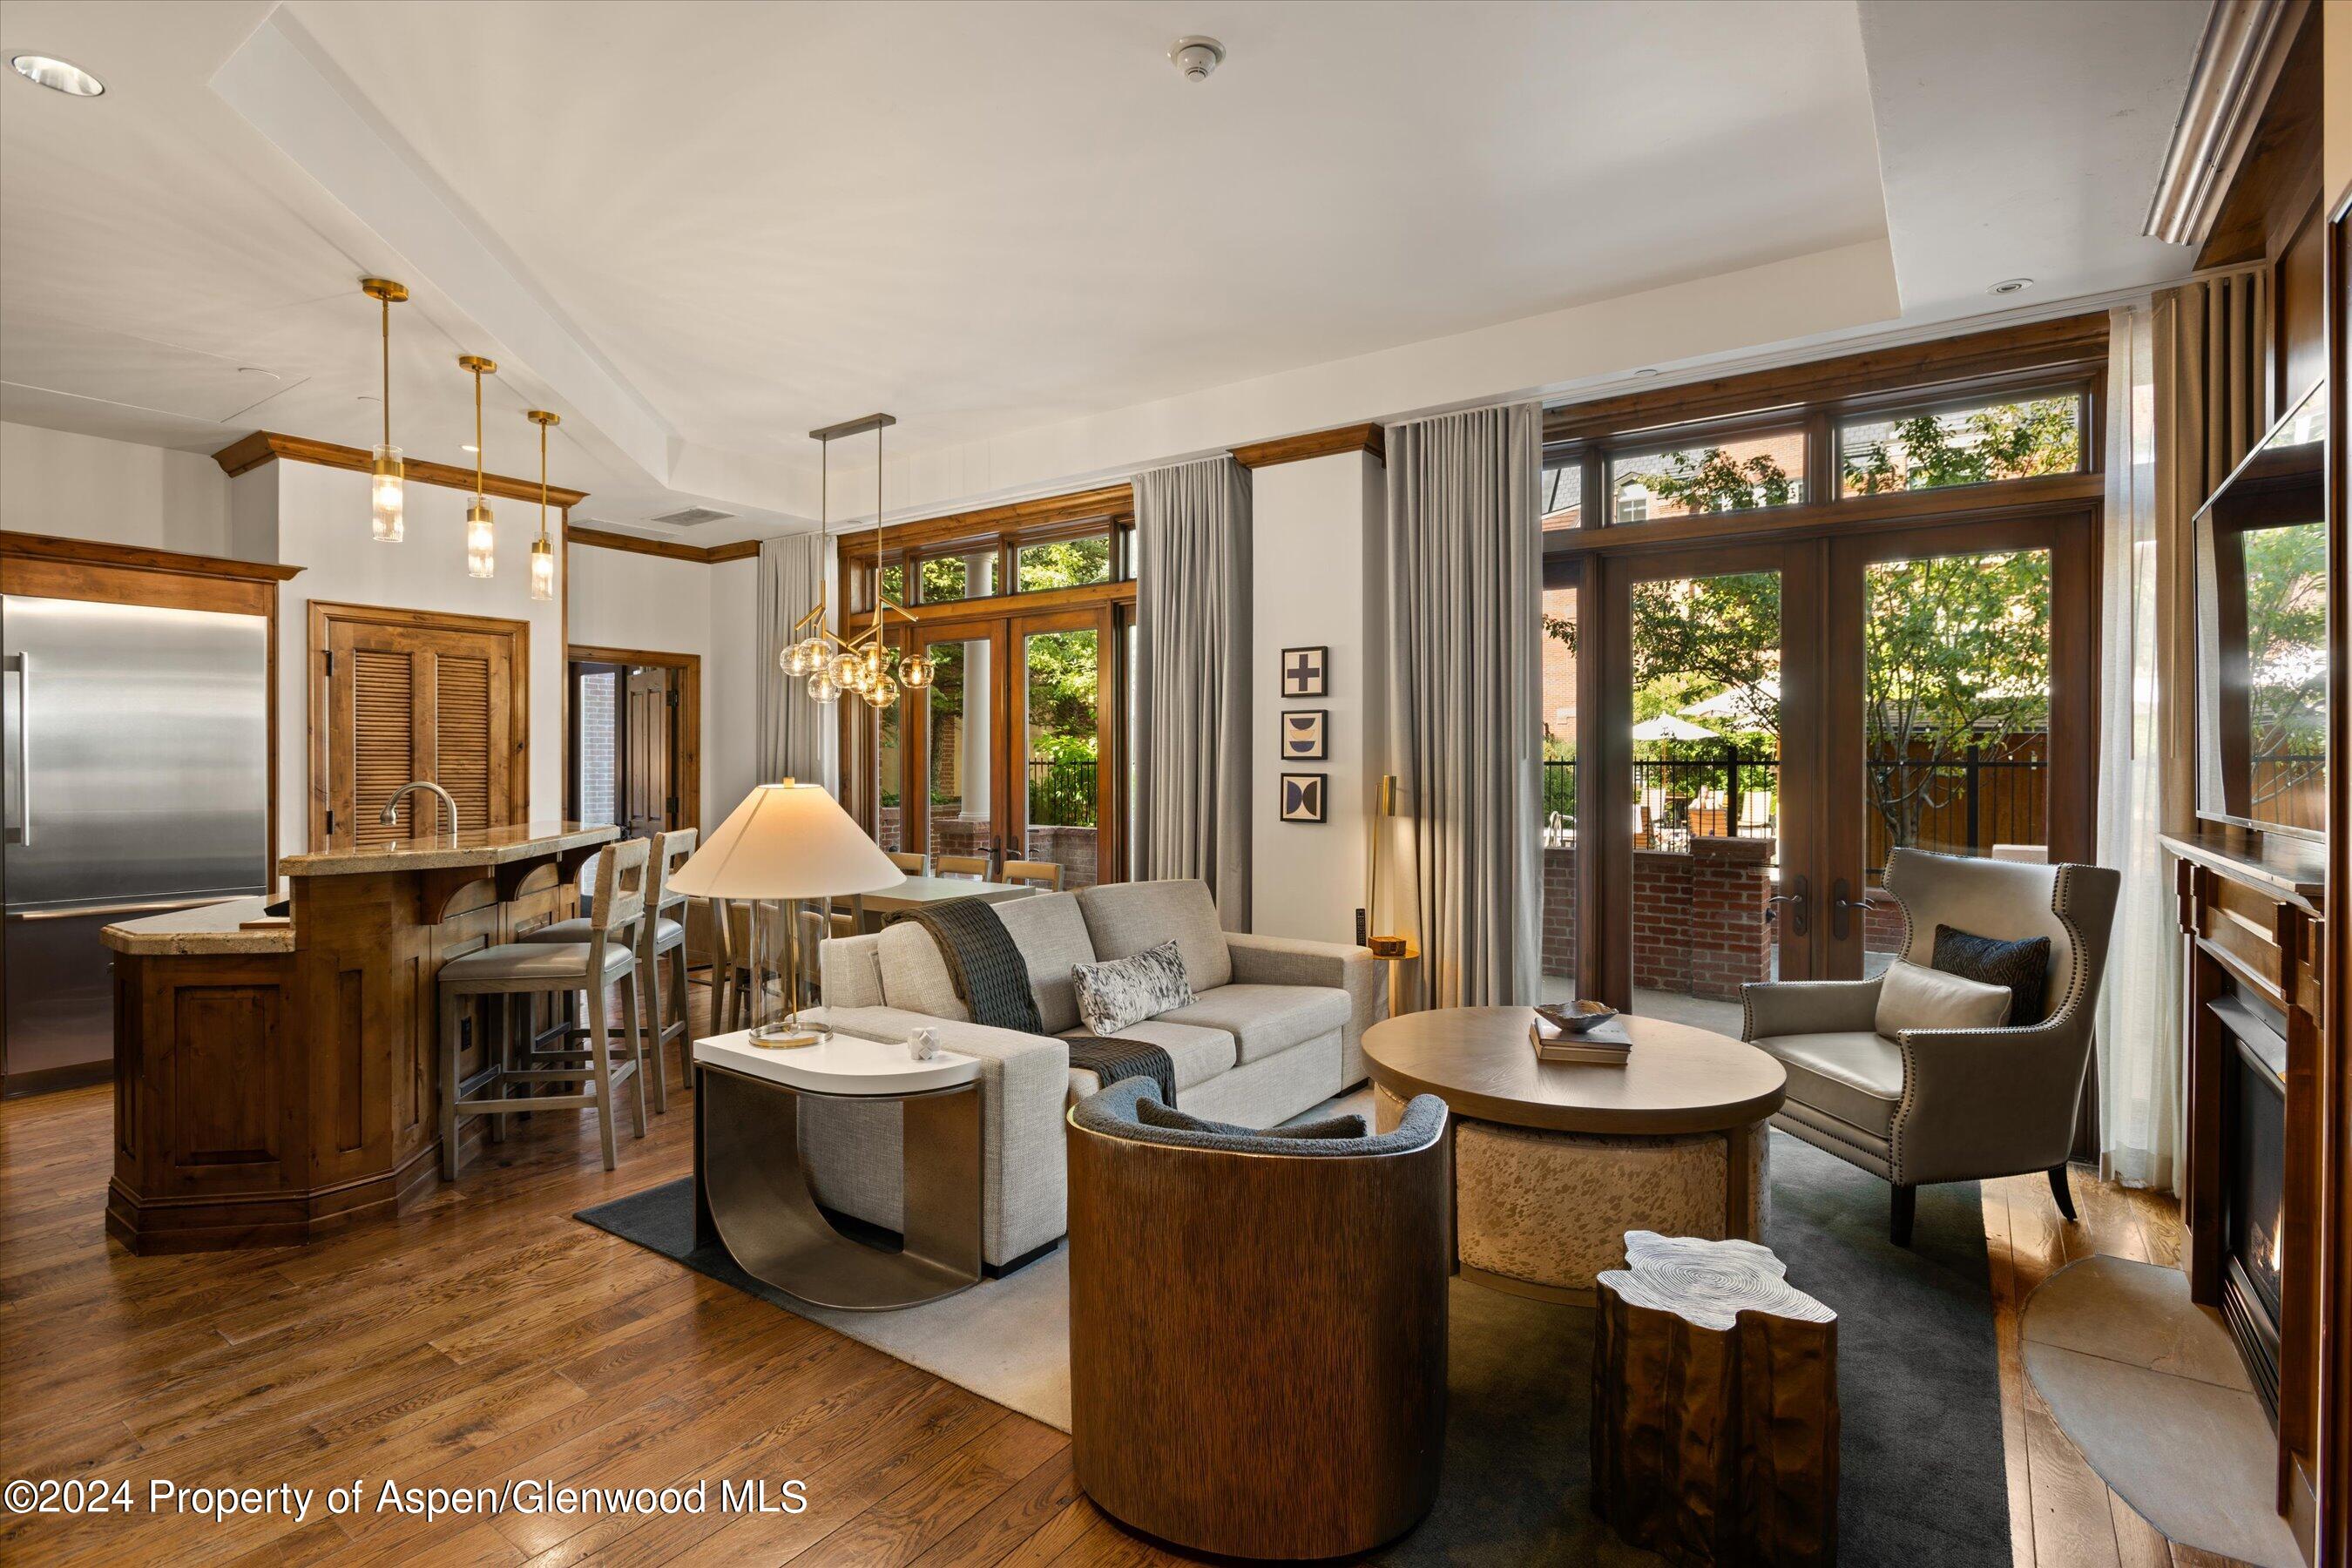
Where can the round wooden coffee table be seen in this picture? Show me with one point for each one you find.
(1553, 1163)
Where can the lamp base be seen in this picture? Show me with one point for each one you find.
(785, 1036)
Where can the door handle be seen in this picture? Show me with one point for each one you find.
(21, 663)
(1799, 902)
(1840, 907)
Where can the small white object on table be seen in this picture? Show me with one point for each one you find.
(839, 1064)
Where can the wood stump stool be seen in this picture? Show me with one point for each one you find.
(1714, 1406)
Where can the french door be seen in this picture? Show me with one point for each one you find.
(1761, 724)
(1014, 751)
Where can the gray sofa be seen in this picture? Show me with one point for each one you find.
(1276, 1027)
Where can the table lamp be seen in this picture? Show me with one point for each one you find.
(787, 841)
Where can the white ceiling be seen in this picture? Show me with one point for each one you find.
(698, 230)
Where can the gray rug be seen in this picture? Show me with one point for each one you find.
(1922, 1482)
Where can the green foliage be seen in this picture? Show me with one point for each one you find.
(2286, 663)
(945, 578)
(1695, 637)
(2004, 441)
(1717, 481)
(1066, 564)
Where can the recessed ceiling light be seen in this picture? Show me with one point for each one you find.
(2011, 285)
(63, 75)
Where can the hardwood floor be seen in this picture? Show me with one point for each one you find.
(486, 1336)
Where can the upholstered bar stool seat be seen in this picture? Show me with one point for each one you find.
(557, 963)
(667, 934)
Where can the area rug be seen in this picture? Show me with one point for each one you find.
(1922, 1482)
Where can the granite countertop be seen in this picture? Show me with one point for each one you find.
(485, 847)
(206, 928)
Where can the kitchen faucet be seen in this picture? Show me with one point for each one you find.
(390, 812)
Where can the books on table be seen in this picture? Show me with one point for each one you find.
(1603, 1044)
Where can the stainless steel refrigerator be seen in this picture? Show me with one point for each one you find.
(136, 745)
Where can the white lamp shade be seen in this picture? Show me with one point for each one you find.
(786, 840)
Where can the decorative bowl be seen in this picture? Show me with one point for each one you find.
(1576, 1018)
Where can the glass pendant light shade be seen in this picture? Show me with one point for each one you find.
(915, 673)
(882, 691)
(542, 567)
(793, 661)
(482, 542)
(821, 687)
(386, 497)
(813, 653)
(846, 672)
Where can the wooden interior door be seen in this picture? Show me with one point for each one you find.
(404, 696)
(649, 737)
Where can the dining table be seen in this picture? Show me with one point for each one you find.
(869, 911)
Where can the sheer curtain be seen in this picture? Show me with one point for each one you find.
(1192, 675)
(2185, 402)
(1464, 569)
(798, 736)
(2137, 1021)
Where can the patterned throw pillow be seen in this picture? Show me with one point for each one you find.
(1129, 990)
(2022, 966)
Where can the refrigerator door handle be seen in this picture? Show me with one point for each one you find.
(112, 910)
(21, 665)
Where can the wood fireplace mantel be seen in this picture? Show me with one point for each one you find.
(2252, 924)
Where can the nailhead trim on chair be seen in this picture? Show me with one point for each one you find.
(2059, 887)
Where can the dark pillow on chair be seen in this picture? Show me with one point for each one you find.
(1151, 1113)
(2022, 966)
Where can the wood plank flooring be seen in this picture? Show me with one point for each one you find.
(486, 1336)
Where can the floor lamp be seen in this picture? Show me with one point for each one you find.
(786, 842)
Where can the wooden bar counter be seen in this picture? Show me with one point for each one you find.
(274, 1085)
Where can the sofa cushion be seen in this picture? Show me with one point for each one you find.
(1122, 991)
(915, 973)
(1052, 936)
(1125, 918)
(1855, 1077)
(1198, 1053)
(1267, 1019)
(1913, 996)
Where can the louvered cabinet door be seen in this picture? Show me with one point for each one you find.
(405, 702)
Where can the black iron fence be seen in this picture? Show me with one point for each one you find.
(1061, 793)
(1963, 805)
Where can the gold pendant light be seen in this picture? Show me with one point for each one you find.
(386, 502)
(481, 539)
(542, 549)
(862, 664)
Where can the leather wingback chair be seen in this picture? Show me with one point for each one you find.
(1257, 1329)
(1948, 1105)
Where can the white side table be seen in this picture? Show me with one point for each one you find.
(751, 1194)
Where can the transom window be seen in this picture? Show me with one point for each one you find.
(1975, 444)
(1733, 474)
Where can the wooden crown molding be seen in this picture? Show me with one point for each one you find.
(667, 549)
(264, 446)
(136, 558)
(1315, 444)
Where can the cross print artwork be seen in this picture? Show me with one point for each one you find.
(1303, 797)
(1302, 671)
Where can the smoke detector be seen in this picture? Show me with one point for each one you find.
(1196, 58)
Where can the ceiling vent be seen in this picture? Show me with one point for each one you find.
(693, 517)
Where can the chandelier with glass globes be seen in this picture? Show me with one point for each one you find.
(862, 664)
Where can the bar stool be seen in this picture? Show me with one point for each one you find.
(594, 967)
(651, 940)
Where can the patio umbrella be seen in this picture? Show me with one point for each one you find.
(1667, 727)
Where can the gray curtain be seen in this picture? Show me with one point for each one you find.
(1464, 569)
(1192, 678)
(799, 738)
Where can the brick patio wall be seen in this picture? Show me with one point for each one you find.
(1072, 848)
(1699, 923)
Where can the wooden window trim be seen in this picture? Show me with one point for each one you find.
(689, 718)
(322, 616)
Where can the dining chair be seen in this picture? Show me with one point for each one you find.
(1045, 874)
(973, 866)
(914, 864)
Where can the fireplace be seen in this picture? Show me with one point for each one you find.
(2253, 1191)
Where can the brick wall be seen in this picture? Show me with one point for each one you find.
(1884, 924)
(598, 769)
(1699, 923)
(1072, 848)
